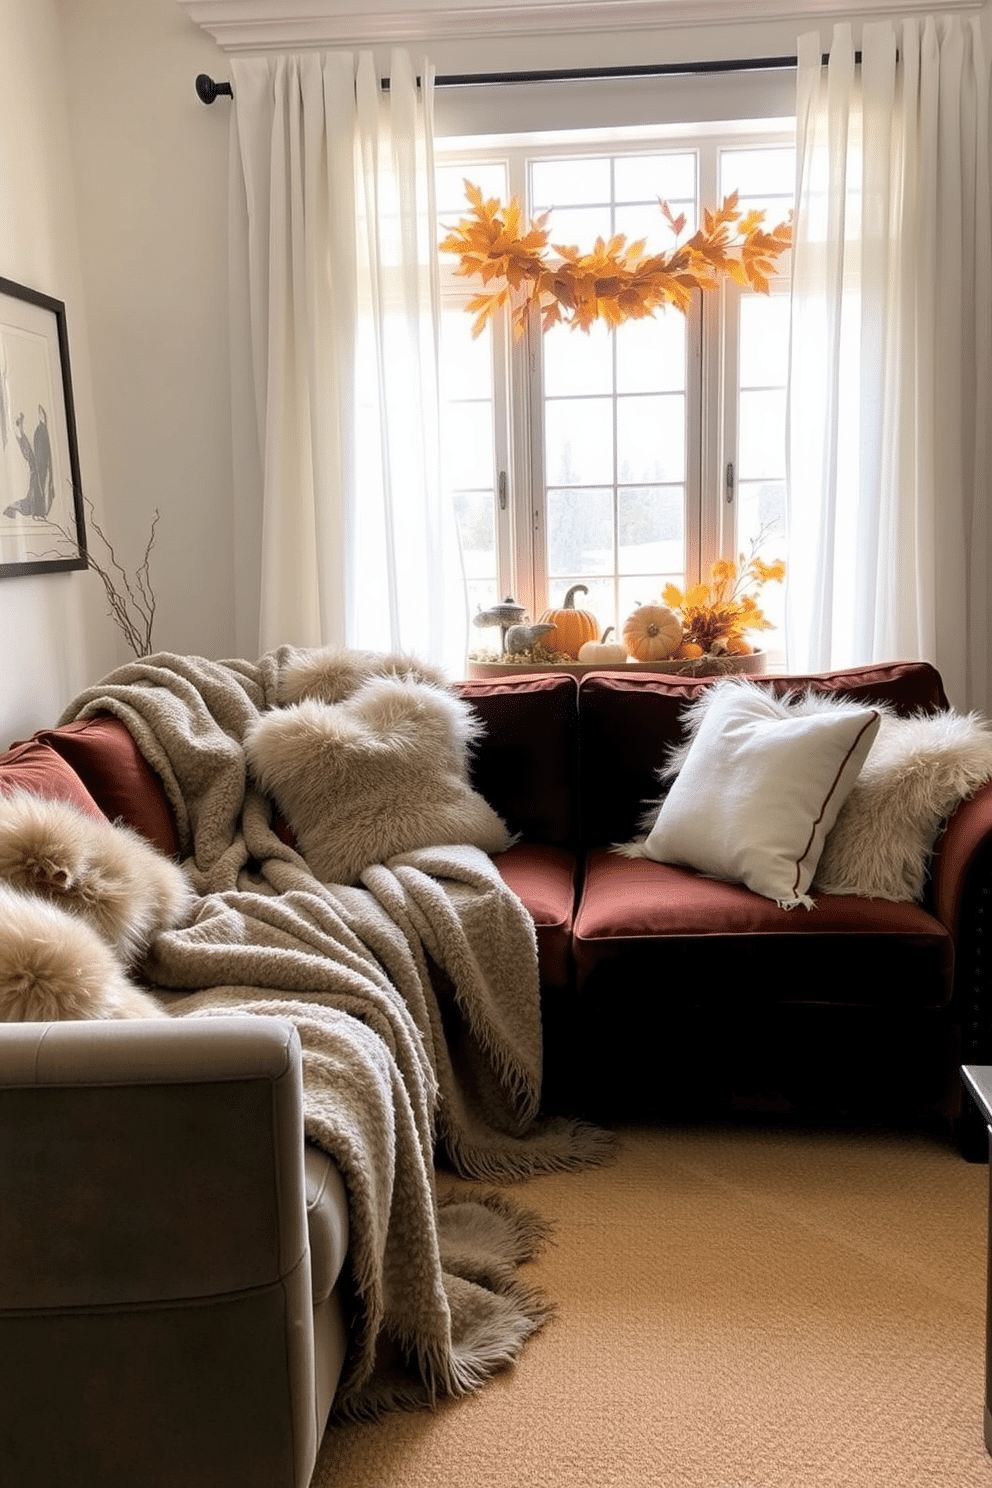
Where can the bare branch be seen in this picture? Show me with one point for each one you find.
(130, 598)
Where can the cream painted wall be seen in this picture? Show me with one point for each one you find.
(55, 639)
(151, 167)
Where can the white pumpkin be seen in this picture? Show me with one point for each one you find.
(603, 652)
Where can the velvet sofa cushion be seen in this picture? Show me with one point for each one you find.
(544, 878)
(36, 767)
(527, 765)
(626, 722)
(102, 752)
(725, 941)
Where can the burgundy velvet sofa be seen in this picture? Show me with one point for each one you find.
(666, 993)
(670, 995)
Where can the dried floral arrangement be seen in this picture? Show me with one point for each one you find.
(615, 281)
(716, 615)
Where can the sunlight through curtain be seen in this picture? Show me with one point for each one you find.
(333, 240)
(890, 392)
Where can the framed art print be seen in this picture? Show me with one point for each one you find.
(41, 503)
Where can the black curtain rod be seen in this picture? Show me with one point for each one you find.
(208, 90)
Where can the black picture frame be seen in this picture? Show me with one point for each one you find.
(42, 526)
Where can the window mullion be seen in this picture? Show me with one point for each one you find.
(525, 514)
(711, 426)
(727, 473)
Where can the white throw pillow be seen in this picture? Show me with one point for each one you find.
(759, 789)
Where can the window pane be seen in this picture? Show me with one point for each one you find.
(580, 531)
(761, 440)
(579, 227)
(642, 589)
(577, 362)
(488, 175)
(761, 513)
(599, 599)
(469, 445)
(569, 183)
(763, 178)
(651, 354)
(466, 364)
(761, 529)
(651, 527)
(477, 531)
(578, 437)
(651, 438)
(645, 220)
(764, 340)
(649, 177)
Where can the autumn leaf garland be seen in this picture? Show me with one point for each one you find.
(616, 281)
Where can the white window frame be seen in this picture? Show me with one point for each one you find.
(710, 519)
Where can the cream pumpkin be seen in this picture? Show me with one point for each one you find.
(603, 652)
(652, 632)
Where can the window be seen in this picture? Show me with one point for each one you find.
(618, 460)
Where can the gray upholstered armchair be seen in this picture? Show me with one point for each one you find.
(170, 1254)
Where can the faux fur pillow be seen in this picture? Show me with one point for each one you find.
(104, 873)
(332, 673)
(379, 774)
(919, 770)
(54, 966)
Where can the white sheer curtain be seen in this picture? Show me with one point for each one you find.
(335, 311)
(890, 396)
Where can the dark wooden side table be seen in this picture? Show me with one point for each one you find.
(978, 1082)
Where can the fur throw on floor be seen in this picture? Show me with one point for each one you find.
(54, 966)
(378, 774)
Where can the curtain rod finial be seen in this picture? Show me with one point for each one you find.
(207, 90)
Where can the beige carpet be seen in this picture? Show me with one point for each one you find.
(738, 1308)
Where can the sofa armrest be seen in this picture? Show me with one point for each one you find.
(961, 895)
(154, 1263)
(962, 862)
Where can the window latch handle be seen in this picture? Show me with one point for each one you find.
(730, 480)
(501, 490)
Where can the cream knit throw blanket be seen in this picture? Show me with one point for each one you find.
(415, 994)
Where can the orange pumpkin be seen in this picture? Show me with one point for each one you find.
(738, 646)
(572, 627)
(688, 651)
(652, 632)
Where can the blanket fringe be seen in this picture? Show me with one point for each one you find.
(555, 1144)
(527, 1232)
